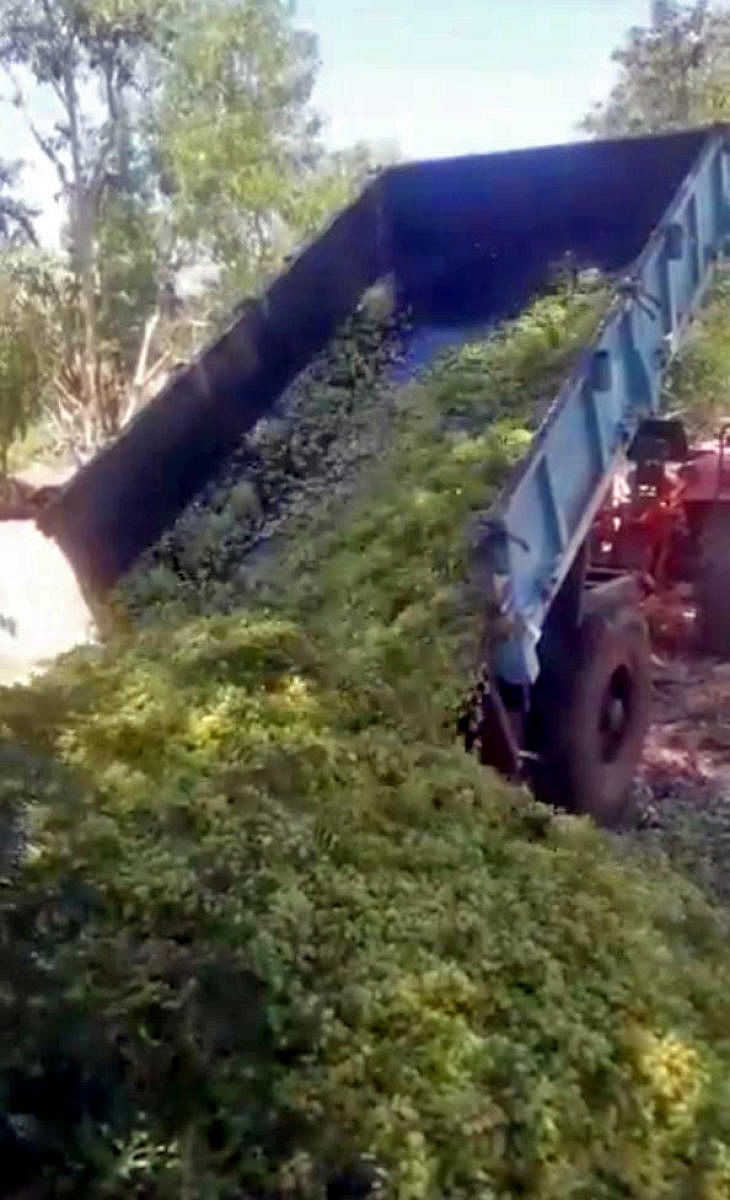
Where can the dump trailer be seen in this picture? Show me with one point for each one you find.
(562, 697)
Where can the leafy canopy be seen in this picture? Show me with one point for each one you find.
(673, 75)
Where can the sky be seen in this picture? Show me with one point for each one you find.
(436, 77)
(447, 77)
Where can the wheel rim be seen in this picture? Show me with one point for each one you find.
(615, 713)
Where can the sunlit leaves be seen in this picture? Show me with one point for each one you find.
(235, 126)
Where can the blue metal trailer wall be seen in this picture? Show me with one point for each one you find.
(546, 512)
(466, 240)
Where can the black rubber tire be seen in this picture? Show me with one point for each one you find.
(589, 715)
(713, 584)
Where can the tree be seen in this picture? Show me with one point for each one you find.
(178, 130)
(182, 137)
(313, 194)
(85, 55)
(674, 75)
(236, 130)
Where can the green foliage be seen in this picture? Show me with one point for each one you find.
(340, 413)
(129, 278)
(673, 75)
(325, 937)
(517, 372)
(334, 182)
(55, 38)
(697, 383)
(235, 127)
(182, 139)
(90, 64)
(273, 929)
(26, 344)
(34, 446)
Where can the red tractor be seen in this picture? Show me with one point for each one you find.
(667, 519)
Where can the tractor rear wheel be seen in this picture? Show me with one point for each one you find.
(714, 581)
(589, 715)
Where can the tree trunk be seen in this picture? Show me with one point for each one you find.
(85, 264)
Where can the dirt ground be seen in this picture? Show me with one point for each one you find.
(689, 740)
(682, 794)
(42, 610)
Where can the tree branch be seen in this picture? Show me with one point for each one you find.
(110, 134)
(12, 213)
(20, 102)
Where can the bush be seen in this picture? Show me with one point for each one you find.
(698, 379)
(269, 932)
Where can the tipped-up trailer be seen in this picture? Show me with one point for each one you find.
(563, 696)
